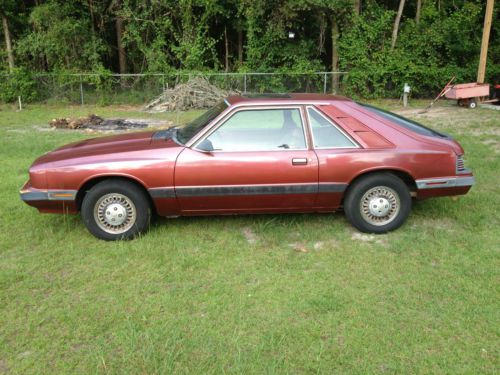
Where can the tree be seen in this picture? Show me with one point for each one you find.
(8, 42)
(357, 7)
(417, 13)
(6, 7)
(396, 24)
(115, 7)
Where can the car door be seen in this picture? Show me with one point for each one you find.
(257, 160)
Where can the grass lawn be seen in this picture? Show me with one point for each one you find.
(262, 294)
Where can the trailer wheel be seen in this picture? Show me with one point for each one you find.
(472, 103)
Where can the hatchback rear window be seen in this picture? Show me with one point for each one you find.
(404, 122)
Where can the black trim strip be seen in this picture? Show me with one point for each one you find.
(207, 191)
(162, 192)
(332, 188)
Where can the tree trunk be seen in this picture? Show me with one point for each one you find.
(122, 58)
(8, 43)
(335, 55)
(92, 18)
(357, 7)
(240, 47)
(226, 50)
(396, 24)
(323, 27)
(419, 8)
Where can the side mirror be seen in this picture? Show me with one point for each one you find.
(205, 146)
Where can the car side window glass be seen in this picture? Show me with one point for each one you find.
(325, 133)
(260, 130)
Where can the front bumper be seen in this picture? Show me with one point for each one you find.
(49, 200)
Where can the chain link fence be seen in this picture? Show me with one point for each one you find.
(93, 88)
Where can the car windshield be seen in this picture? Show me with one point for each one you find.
(185, 133)
(404, 122)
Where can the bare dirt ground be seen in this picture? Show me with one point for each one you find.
(463, 120)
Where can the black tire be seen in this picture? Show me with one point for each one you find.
(112, 198)
(472, 104)
(374, 195)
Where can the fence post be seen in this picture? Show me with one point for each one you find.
(324, 84)
(81, 90)
(163, 81)
(245, 83)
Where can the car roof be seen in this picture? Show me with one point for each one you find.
(295, 98)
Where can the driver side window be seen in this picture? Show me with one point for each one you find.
(260, 130)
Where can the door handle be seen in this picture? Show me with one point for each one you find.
(299, 161)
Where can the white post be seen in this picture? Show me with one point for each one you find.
(81, 90)
(406, 91)
(20, 103)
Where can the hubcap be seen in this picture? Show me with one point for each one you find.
(115, 213)
(380, 205)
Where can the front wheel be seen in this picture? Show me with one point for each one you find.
(116, 210)
(378, 203)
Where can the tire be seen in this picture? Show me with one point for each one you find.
(472, 104)
(116, 210)
(377, 203)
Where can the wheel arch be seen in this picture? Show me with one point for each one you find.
(94, 180)
(405, 176)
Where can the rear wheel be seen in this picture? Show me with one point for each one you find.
(116, 210)
(378, 203)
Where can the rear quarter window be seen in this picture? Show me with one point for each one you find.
(404, 122)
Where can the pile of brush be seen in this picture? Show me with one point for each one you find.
(197, 93)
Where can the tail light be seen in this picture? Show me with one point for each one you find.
(460, 166)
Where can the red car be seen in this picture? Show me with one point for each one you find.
(254, 154)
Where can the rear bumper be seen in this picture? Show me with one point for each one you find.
(49, 200)
(445, 182)
(444, 186)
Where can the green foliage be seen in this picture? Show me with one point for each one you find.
(19, 83)
(426, 55)
(167, 36)
(60, 39)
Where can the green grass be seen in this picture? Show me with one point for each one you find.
(253, 294)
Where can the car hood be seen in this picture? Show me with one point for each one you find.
(101, 146)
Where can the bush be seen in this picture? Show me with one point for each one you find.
(18, 83)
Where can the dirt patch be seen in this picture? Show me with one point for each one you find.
(356, 236)
(369, 238)
(476, 122)
(298, 247)
(249, 235)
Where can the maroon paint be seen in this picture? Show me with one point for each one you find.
(159, 163)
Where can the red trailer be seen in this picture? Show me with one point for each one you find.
(469, 94)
